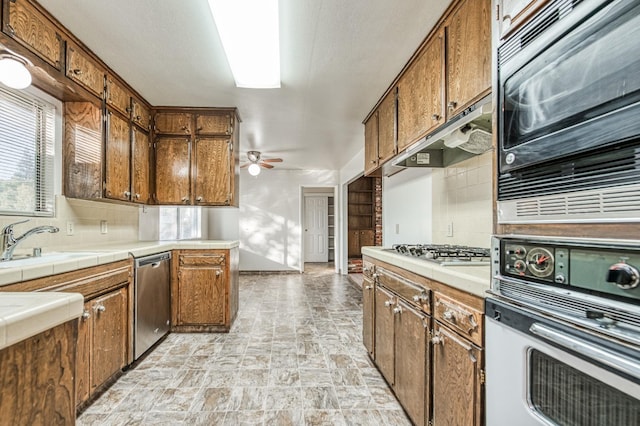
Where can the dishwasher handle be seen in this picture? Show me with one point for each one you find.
(154, 260)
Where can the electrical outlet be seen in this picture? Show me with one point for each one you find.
(69, 228)
(450, 229)
(103, 227)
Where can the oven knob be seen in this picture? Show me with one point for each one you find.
(624, 276)
(510, 158)
(560, 279)
(520, 266)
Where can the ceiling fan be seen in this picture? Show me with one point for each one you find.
(255, 162)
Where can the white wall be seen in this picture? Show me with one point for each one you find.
(406, 207)
(270, 226)
(223, 223)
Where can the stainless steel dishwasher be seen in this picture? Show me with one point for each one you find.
(152, 311)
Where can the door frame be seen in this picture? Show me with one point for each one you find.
(308, 191)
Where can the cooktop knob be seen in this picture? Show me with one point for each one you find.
(625, 276)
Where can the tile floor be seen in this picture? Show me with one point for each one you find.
(293, 357)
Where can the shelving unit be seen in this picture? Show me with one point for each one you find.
(331, 228)
(361, 215)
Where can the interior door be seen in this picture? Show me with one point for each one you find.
(316, 229)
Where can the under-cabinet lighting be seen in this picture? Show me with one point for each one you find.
(249, 32)
(14, 72)
(254, 169)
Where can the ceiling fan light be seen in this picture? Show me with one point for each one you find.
(14, 73)
(254, 169)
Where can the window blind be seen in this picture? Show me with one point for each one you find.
(27, 136)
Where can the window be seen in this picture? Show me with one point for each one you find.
(27, 140)
(180, 223)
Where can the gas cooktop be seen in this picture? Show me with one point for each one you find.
(445, 254)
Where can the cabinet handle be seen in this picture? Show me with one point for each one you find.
(435, 117)
(76, 71)
(137, 118)
(199, 128)
(452, 104)
(128, 109)
(185, 128)
(373, 161)
(419, 298)
(388, 303)
(375, 276)
(218, 273)
(397, 310)
(185, 199)
(199, 199)
(137, 196)
(368, 287)
(127, 194)
(86, 315)
(437, 340)
(448, 315)
(100, 308)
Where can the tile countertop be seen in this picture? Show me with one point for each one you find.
(73, 258)
(26, 314)
(472, 279)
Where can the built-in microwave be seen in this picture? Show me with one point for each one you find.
(569, 115)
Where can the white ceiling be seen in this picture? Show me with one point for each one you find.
(337, 58)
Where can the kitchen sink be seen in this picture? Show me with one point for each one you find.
(21, 262)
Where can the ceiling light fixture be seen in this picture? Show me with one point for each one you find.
(254, 169)
(249, 32)
(13, 71)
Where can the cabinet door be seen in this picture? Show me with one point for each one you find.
(384, 339)
(172, 171)
(173, 123)
(468, 54)
(367, 238)
(368, 315)
(83, 355)
(32, 29)
(457, 387)
(83, 70)
(109, 338)
(421, 94)
(140, 115)
(214, 124)
(412, 362)
(140, 149)
(212, 171)
(353, 243)
(387, 128)
(201, 295)
(371, 144)
(118, 97)
(117, 159)
(513, 13)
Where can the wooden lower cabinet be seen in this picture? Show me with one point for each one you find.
(384, 338)
(204, 289)
(457, 379)
(368, 315)
(37, 378)
(412, 362)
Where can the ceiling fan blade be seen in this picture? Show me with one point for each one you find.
(272, 160)
(265, 165)
(245, 165)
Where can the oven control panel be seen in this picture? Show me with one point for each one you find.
(594, 267)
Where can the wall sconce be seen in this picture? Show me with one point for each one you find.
(13, 70)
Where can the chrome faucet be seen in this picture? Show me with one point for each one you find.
(9, 242)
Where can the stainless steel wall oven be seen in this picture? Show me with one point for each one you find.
(563, 332)
(568, 127)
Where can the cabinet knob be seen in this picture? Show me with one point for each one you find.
(100, 308)
(185, 128)
(86, 315)
(397, 310)
(388, 303)
(435, 117)
(137, 118)
(448, 315)
(199, 199)
(373, 161)
(127, 194)
(76, 71)
(437, 339)
(368, 287)
(137, 196)
(218, 273)
(452, 104)
(185, 199)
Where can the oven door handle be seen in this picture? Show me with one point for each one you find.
(618, 362)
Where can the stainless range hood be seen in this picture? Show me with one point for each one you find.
(466, 135)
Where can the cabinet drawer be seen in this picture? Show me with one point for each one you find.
(202, 260)
(173, 123)
(463, 319)
(140, 114)
(25, 24)
(368, 269)
(118, 97)
(83, 70)
(413, 293)
(218, 124)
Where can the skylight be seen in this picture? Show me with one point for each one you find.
(249, 32)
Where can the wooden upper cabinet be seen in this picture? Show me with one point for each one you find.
(513, 13)
(117, 159)
(468, 54)
(173, 123)
(140, 114)
(118, 97)
(212, 170)
(371, 144)
(84, 70)
(421, 93)
(25, 24)
(214, 124)
(140, 155)
(172, 171)
(387, 128)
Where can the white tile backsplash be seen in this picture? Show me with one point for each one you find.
(122, 224)
(462, 196)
